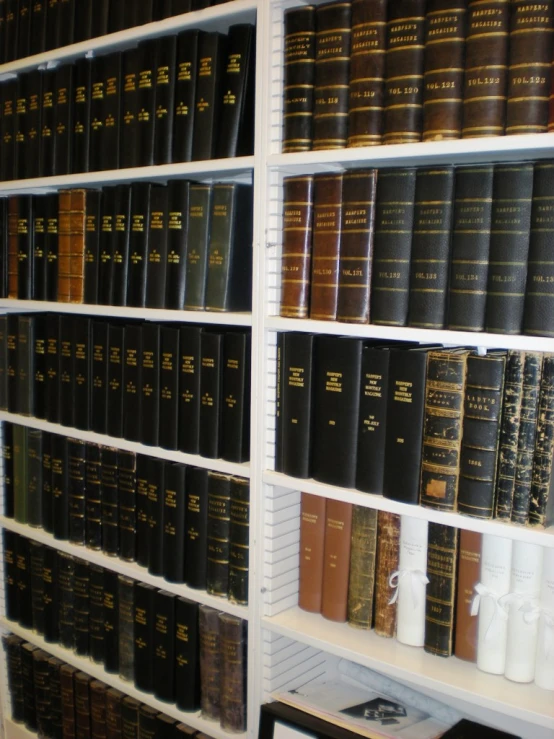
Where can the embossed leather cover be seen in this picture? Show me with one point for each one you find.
(361, 581)
(296, 260)
(299, 70)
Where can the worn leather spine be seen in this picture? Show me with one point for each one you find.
(210, 663)
(403, 115)
(336, 560)
(64, 247)
(312, 542)
(541, 499)
(469, 570)
(442, 430)
(481, 434)
(239, 512)
(529, 67)
(218, 539)
(298, 204)
(332, 67)
(356, 249)
(442, 560)
(298, 89)
(367, 72)
(361, 583)
(232, 631)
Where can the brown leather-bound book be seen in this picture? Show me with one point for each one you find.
(67, 674)
(77, 247)
(113, 713)
(486, 73)
(386, 562)
(332, 64)
(312, 542)
(298, 89)
(469, 570)
(404, 72)
(326, 246)
(82, 705)
(367, 72)
(336, 560)
(530, 67)
(361, 585)
(98, 697)
(356, 247)
(298, 202)
(444, 69)
(13, 246)
(64, 246)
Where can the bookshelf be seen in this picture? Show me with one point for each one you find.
(286, 646)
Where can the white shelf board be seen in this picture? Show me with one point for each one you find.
(130, 569)
(17, 731)
(208, 169)
(460, 151)
(217, 18)
(421, 335)
(114, 311)
(218, 465)
(448, 677)
(195, 720)
(543, 537)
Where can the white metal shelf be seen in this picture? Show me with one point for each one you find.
(115, 311)
(445, 677)
(130, 569)
(405, 333)
(217, 18)
(543, 537)
(195, 720)
(218, 465)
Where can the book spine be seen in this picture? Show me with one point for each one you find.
(96, 111)
(83, 21)
(63, 119)
(126, 600)
(129, 718)
(298, 202)
(218, 534)
(156, 486)
(36, 559)
(132, 384)
(21, 107)
(469, 565)
(65, 372)
(111, 622)
(144, 637)
(93, 505)
(76, 487)
(174, 503)
(12, 646)
(185, 94)
(67, 691)
(541, 481)
(336, 560)
(48, 123)
(164, 646)
(20, 473)
(299, 72)
(8, 130)
(146, 101)
(187, 667)
(114, 699)
(129, 108)
(110, 509)
(210, 662)
(60, 499)
(38, 26)
(147, 721)
(196, 520)
(98, 691)
(81, 114)
(25, 247)
(138, 244)
(39, 362)
(82, 608)
(96, 614)
(326, 246)
(211, 376)
(142, 539)
(492, 628)
(121, 238)
(200, 208)
(29, 700)
(66, 594)
(370, 458)
(34, 477)
(64, 247)
(211, 57)
(25, 362)
(481, 433)
(23, 577)
(544, 674)
(178, 193)
(164, 91)
(279, 387)
(239, 513)
(34, 109)
(114, 391)
(442, 558)
(8, 460)
(297, 404)
(106, 247)
(41, 680)
(235, 421)
(82, 683)
(111, 113)
(410, 581)
(13, 246)
(157, 248)
(126, 490)
(82, 372)
(361, 583)
(56, 724)
(9, 540)
(38, 291)
(233, 673)
(66, 21)
(51, 600)
(52, 248)
(150, 392)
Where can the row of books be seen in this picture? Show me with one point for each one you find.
(150, 637)
(466, 248)
(171, 99)
(176, 387)
(56, 700)
(182, 523)
(367, 72)
(29, 27)
(472, 433)
(449, 591)
(184, 245)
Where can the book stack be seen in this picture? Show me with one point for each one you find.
(363, 73)
(171, 99)
(176, 387)
(473, 432)
(183, 523)
(464, 248)
(452, 592)
(186, 245)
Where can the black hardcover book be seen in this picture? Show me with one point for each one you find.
(180, 6)
(211, 389)
(4, 362)
(47, 512)
(129, 718)
(40, 255)
(126, 487)
(38, 26)
(51, 600)
(144, 636)
(142, 12)
(11, 591)
(212, 50)
(219, 529)
(12, 645)
(55, 708)
(24, 29)
(23, 577)
(164, 646)
(111, 622)
(41, 675)
(52, 26)
(63, 118)
(196, 517)
(10, 31)
(110, 508)
(200, 209)
(48, 124)
(66, 21)
(11, 352)
(143, 529)
(34, 478)
(132, 383)
(185, 94)
(20, 473)
(7, 457)
(156, 487)
(34, 128)
(82, 93)
(52, 246)
(100, 18)
(126, 627)
(99, 371)
(166, 727)
(111, 114)
(82, 30)
(146, 102)
(174, 522)
(96, 134)
(404, 433)
(25, 247)
(25, 365)
(107, 243)
(116, 353)
(239, 540)
(296, 415)
(36, 557)
(97, 646)
(235, 421)
(162, 9)
(442, 558)
(66, 595)
(229, 277)
(128, 147)
(117, 20)
(52, 366)
(187, 662)
(82, 607)
(94, 496)
(39, 362)
(92, 245)
(60, 498)
(372, 420)
(169, 388)
(236, 125)
(21, 105)
(178, 192)
(156, 253)
(150, 377)
(82, 360)
(66, 372)
(138, 244)
(7, 124)
(164, 87)
(76, 490)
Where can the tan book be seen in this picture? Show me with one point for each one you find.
(469, 569)
(64, 247)
(312, 538)
(336, 560)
